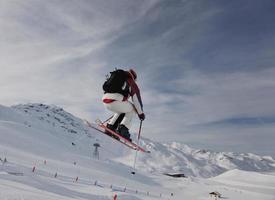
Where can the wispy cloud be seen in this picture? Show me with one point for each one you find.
(209, 98)
(50, 50)
(204, 68)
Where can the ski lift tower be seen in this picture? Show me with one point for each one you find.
(96, 152)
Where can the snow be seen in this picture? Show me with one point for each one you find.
(175, 158)
(42, 136)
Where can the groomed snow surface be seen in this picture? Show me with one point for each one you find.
(47, 153)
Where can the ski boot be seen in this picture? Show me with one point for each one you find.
(113, 128)
(124, 132)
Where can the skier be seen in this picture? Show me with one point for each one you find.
(118, 88)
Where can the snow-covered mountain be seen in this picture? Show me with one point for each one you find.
(32, 135)
(52, 117)
(179, 158)
(165, 158)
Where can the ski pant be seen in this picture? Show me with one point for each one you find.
(121, 107)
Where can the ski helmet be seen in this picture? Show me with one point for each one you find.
(133, 74)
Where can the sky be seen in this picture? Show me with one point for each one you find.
(205, 68)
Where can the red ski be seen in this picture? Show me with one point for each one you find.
(121, 139)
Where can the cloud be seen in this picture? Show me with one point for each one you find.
(202, 66)
(49, 50)
(225, 111)
(207, 98)
(239, 94)
(194, 74)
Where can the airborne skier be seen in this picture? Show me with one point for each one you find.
(118, 88)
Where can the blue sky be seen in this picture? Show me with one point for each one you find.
(205, 68)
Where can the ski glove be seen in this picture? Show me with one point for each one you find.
(141, 116)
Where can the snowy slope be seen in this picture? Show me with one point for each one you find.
(165, 158)
(58, 143)
(71, 129)
(249, 181)
(27, 140)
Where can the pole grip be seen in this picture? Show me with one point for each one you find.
(139, 131)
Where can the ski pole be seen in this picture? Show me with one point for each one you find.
(139, 131)
(108, 119)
